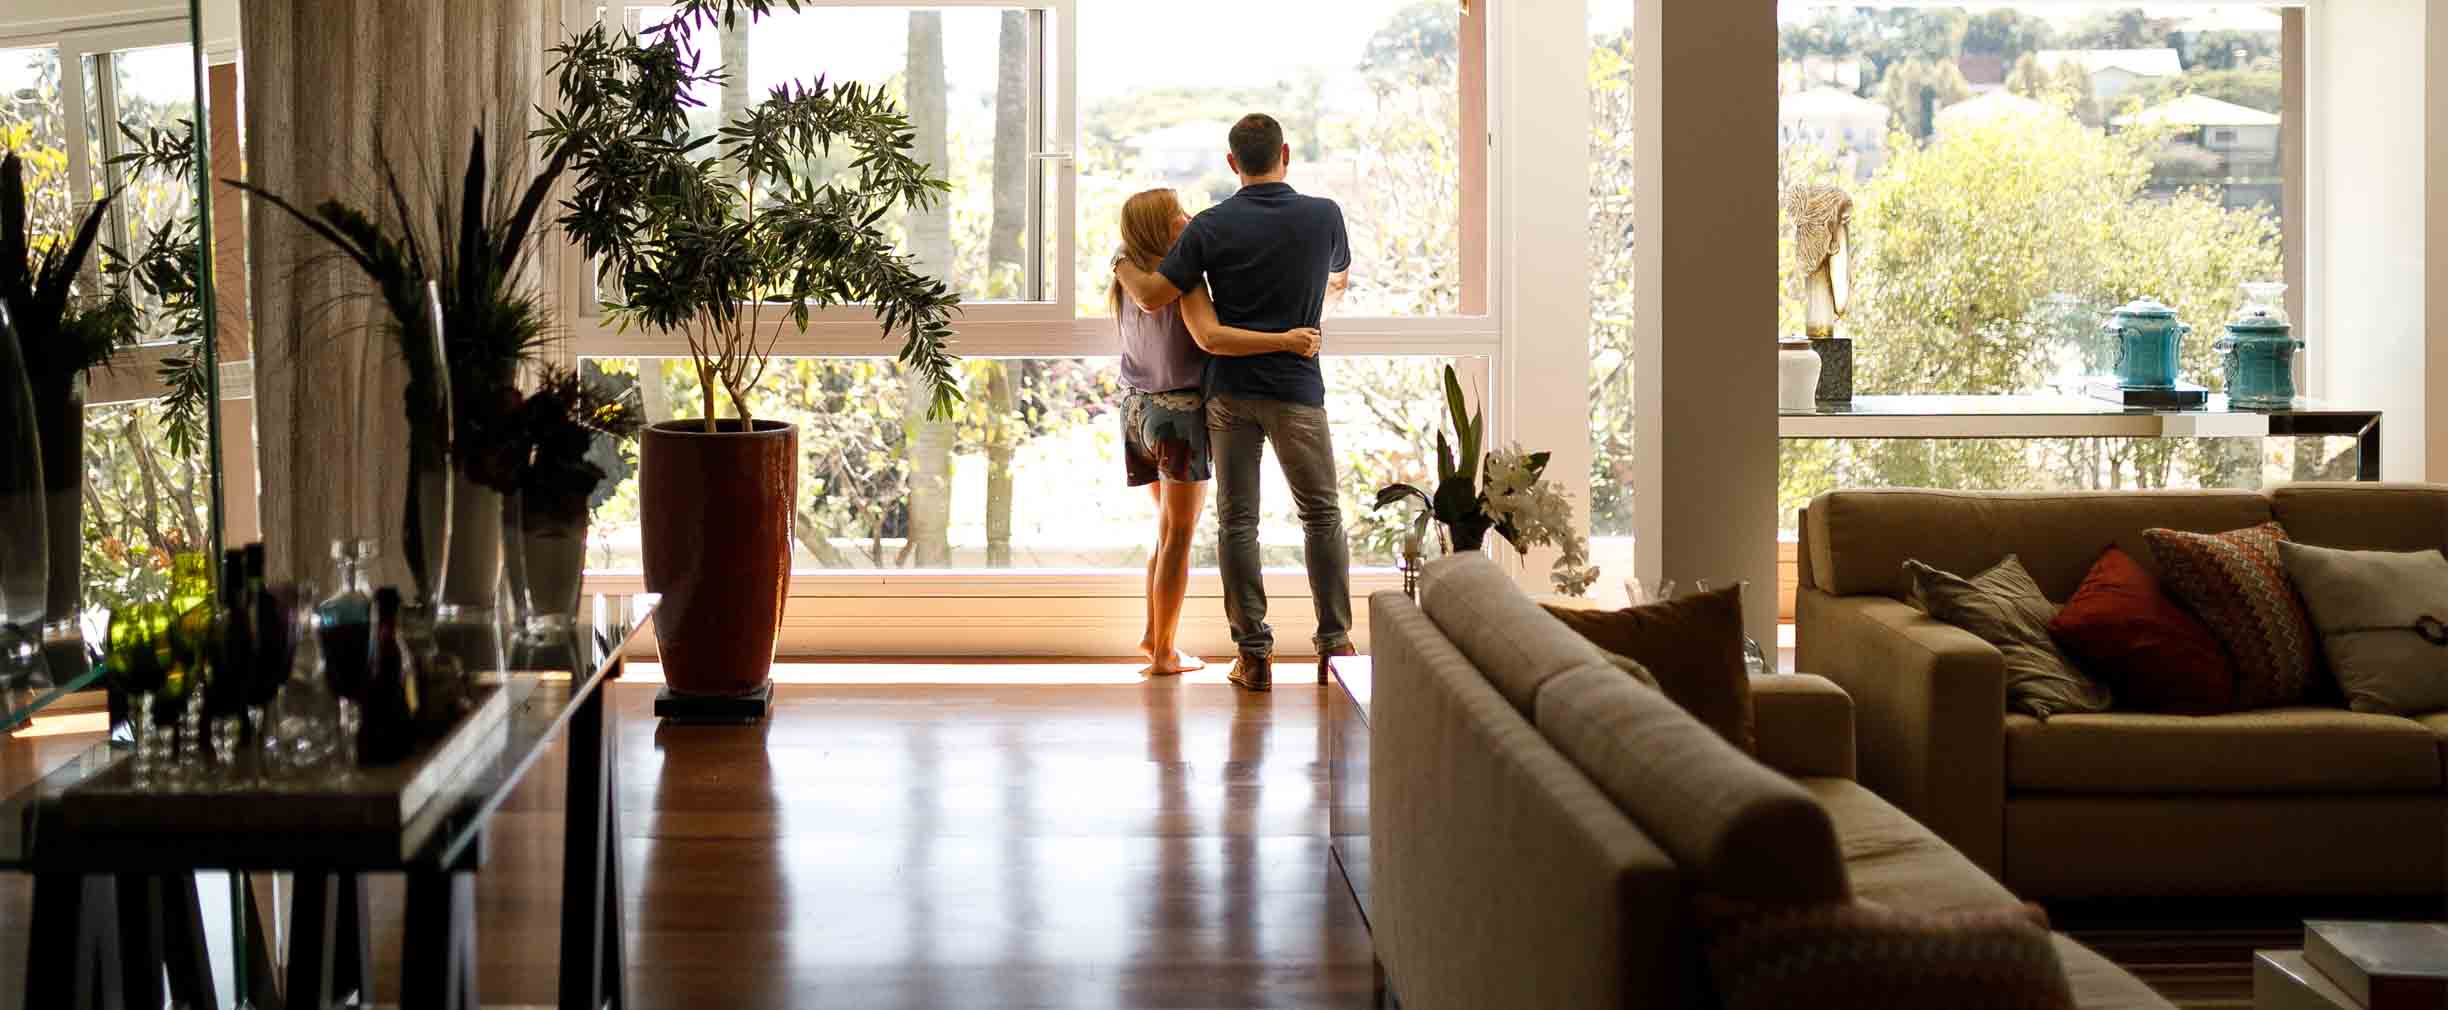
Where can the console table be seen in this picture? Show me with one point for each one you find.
(2075, 416)
(94, 887)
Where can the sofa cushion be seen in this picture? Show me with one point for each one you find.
(1737, 829)
(1859, 955)
(2359, 516)
(1516, 645)
(1692, 647)
(1859, 540)
(2235, 583)
(2378, 614)
(2126, 632)
(2005, 608)
(2283, 750)
(1891, 859)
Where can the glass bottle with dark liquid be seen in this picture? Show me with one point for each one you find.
(344, 621)
(233, 644)
(389, 733)
(273, 650)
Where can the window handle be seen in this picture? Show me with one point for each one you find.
(1052, 156)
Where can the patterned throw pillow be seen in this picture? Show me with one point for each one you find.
(2236, 584)
(2005, 608)
(1861, 956)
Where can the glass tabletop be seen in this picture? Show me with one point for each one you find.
(544, 678)
(2040, 405)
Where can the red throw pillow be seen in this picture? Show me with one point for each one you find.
(2154, 655)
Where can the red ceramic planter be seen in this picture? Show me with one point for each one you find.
(717, 510)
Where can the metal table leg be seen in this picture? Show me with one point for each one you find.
(437, 965)
(590, 893)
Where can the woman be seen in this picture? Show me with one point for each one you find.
(1164, 423)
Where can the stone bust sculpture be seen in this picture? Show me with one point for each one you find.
(1822, 223)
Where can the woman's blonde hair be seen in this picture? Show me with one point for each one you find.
(1147, 233)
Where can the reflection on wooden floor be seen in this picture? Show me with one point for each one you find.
(987, 836)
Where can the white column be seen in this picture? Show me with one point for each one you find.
(2435, 261)
(1705, 265)
(1542, 215)
(2366, 307)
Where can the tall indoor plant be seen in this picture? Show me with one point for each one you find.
(463, 393)
(61, 334)
(720, 240)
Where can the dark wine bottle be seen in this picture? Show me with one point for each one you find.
(273, 651)
(389, 732)
(225, 689)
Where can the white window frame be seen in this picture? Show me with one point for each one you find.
(134, 374)
(1037, 610)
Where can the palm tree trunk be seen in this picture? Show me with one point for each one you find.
(930, 441)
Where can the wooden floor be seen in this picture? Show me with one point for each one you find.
(1000, 836)
(1019, 843)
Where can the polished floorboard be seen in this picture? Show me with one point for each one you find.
(999, 836)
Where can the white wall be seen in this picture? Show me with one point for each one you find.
(2435, 309)
(1541, 67)
(1706, 213)
(2367, 308)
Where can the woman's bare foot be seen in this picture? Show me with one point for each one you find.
(1147, 647)
(1181, 663)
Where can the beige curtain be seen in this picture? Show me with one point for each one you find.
(329, 83)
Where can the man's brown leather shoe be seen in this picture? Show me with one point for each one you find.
(1253, 673)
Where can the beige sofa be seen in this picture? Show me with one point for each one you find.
(1538, 822)
(2310, 800)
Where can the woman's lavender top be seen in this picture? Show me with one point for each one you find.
(1158, 353)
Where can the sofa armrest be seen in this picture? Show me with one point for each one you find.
(1929, 706)
(1803, 724)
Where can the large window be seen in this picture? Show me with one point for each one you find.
(2017, 171)
(68, 104)
(1045, 115)
(1030, 476)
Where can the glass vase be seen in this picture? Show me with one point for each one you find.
(552, 550)
(59, 408)
(25, 563)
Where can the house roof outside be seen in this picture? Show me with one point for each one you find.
(1992, 107)
(2161, 62)
(2198, 111)
(1828, 103)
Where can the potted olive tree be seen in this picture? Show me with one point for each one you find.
(720, 240)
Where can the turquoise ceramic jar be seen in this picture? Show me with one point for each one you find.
(2259, 352)
(2147, 338)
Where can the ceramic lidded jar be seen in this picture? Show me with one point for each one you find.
(2259, 353)
(2147, 338)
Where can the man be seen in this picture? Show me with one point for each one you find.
(1271, 259)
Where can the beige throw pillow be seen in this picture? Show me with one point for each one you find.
(2005, 608)
(2380, 617)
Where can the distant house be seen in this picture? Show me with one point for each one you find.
(2116, 73)
(2219, 126)
(1182, 153)
(1851, 128)
(1992, 107)
(2215, 142)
